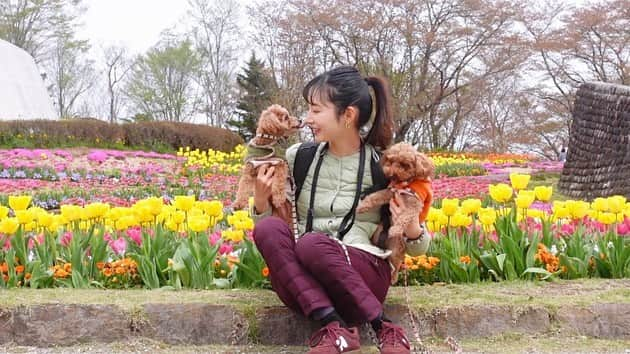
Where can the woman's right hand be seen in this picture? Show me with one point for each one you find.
(262, 189)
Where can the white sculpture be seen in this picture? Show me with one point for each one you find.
(23, 94)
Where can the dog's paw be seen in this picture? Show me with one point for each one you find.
(237, 205)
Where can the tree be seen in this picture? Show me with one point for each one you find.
(574, 46)
(215, 36)
(433, 53)
(257, 91)
(72, 74)
(161, 85)
(117, 66)
(33, 25)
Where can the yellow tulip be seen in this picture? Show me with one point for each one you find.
(215, 208)
(199, 223)
(9, 226)
(178, 217)
(450, 206)
(487, 216)
(471, 206)
(460, 220)
(184, 202)
(600, 204)
(233, 235)
(71, 212)
(577, 208)
(519, 181)
(500, 192)
(4, 212)
(153, 204)
(96, 210)
(524, 200)
(543, 193)
(24, 216)
(616, 203)
(20, 202)
(143, 213)
(607, 218)
(172, 225)
(45, 219)
(432, 215)
(536, 213)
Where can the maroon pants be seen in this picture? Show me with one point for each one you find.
(314, 273)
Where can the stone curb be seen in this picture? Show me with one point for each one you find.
(197, 323)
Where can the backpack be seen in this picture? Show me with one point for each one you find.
(303, 160)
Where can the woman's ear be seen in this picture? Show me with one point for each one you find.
(350, 116)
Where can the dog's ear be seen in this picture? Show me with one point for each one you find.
(268, 123)
(424, 166)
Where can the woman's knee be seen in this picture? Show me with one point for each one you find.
(312, 246)
(271, 230)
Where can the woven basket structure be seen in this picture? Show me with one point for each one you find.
(598, 157)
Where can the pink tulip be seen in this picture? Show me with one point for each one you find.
(214, 238)
(66, 238)
(135, 234)
(119, 246)
(225, 248)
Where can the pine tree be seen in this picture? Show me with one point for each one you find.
(257, 91)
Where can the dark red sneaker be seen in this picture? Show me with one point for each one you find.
(392, 339)
(334, 339)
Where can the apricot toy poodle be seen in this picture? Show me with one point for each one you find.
(409, 173)
(269, 146)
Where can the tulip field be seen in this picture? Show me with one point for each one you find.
(125, 219)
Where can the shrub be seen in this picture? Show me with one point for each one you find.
(157, 136)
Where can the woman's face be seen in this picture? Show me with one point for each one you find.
(323, 121)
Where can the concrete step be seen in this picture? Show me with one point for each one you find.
(67, 317)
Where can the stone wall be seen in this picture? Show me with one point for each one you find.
(598, 158)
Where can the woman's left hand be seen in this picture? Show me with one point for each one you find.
(397, 207)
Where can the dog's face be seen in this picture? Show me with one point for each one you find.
(275, 120)
(401, 162)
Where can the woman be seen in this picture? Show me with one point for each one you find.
(333, 273)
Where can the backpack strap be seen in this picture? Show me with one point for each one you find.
(303, 159)
(379, 181)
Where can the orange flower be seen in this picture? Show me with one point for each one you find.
(465, 259)
(265, 272)
(4, 268)
(107, 272)
(434, 261)
(120, 270)
(67, 267)
(27, 276)
(100, 265)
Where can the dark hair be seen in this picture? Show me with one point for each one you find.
(344, 87)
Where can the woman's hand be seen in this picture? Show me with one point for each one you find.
(262, 189)
(396, 207)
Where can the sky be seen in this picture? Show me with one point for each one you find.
(135, 24)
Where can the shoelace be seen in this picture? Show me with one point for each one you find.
(392, 335)
(319, 335)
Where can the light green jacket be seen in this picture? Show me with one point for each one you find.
(336, 187)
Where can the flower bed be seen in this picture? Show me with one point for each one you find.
(121, 223)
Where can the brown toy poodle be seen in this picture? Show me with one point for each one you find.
(269, 146)
(409, 173)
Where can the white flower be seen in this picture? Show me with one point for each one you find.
(610, 245)
(554, 250)
(596, 249)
